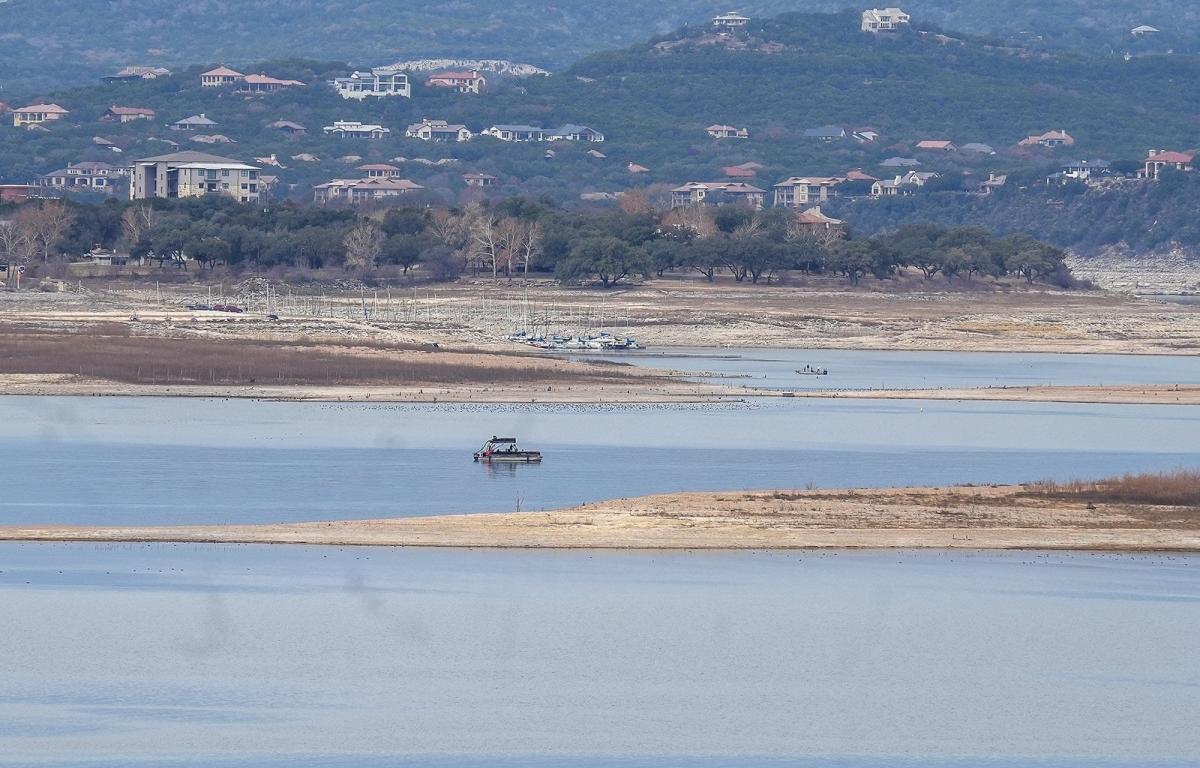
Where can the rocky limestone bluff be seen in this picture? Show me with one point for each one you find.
(496, 66)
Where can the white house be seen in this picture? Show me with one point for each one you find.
(803, 190)
(353, 129)
(717, 193)
(376, 83)
(438, 131)
(731, 20)
(883, 19)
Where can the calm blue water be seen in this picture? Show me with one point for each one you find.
(870, 369)
(145, 460)
(265, 656)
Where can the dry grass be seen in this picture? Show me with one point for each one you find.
(108, 352)
(1180, 488)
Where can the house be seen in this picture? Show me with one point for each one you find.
(437, 131)
(193, 174)
(379, 171)
(812, 220)
(130, 74)
(1082, 170)
(265, 84)
(1143, 30)
(36, 114)
(727, 132)
(826, 133)
(596, 154)
(1049, 139)
(212, 138)
(379, 82)
(883, 19)
(717, 193)
(937, 145)
(353, 129)
(88, 175)
(195, 122)
(858, 174)
(573, 132)
(994, 181)
(215, 78)
(906, 184)
(480, 179)
(270, 160)
(635, 169)
(288, 127)
(865, 135)
(363, 190)
(306, 157)
(738, 172)
(730, 21)
(462, 82)
(126, 114)
(802, 190)
(900, 162)
(516, 133)
(976, 148)
(1158, 159)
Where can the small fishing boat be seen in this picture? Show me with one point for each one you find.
(812, 370)
(505, 449)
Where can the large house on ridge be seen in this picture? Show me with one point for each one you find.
(193, 174)
(379, 82)
(717, 193)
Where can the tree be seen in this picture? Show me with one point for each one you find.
(853, 258)
(16, 245)
(136, 220)
(363, 243)
(403, 250)
(46, 224)
(607, 258)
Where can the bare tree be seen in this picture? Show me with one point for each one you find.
(694, 218)
(364, 243)
(137, 221)
(529, 246)
(46, 225)
(488, 246)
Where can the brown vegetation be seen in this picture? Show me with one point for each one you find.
(1180, 488)
(112, 352)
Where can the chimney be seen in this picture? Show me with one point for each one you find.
(1153, 152)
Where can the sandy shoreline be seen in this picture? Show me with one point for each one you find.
(999, 517)
(1136, 394)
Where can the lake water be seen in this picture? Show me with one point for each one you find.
(870, 369)
(152, 655)
(149, 460)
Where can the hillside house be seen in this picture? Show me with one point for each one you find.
(826, 133)
(353, 129)
(730, 21)
(902, 185)
(813, 221)
(937, 145)
(994, 182)
(718, 193)
(516, 133)
(636, 169)
(727, 132)
(1144, 29)
(355, 191)
(131, 74)
(379, 171)
(1051, 139)
(221, 76)
(900, 162)
(1081, 170)
(265, 84)
(858, 174)
(480, 179)
(865, 135)
(803, 190)
(115, 114)
(461, 82)
(377, 83)
(596, 154)
(884, 19)
(438, 131)
(287, 127)
(1159, 159)
(573, 132)
(193, 123)
(978, 148)
(193, 174)
(88, 175)
(36, 114)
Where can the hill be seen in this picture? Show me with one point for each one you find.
(654, 100)
(51, 43)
